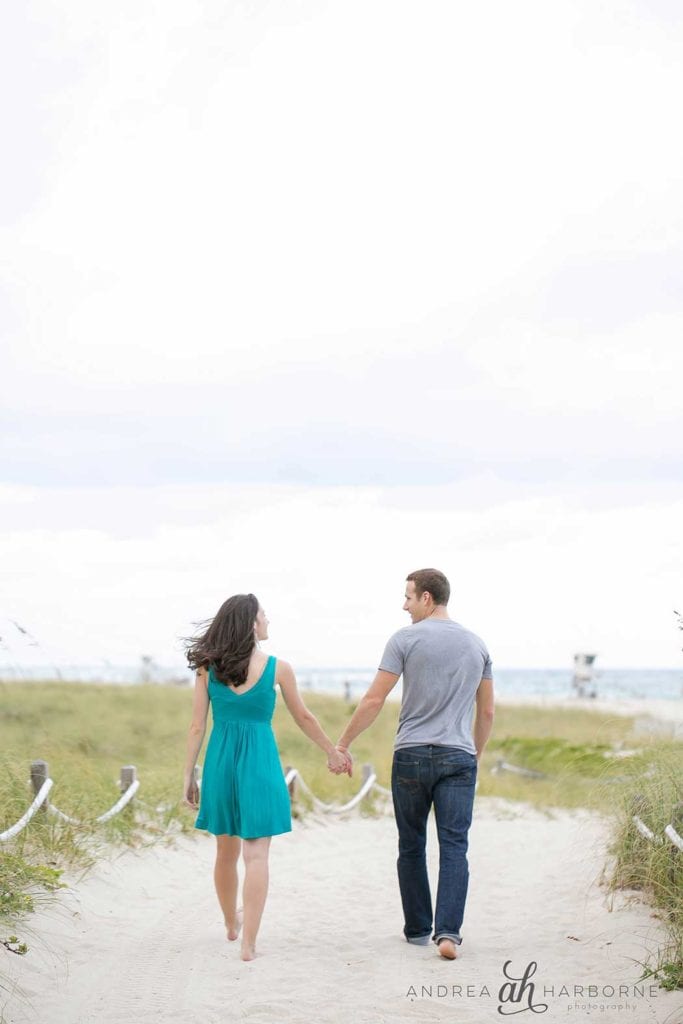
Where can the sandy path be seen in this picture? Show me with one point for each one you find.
(141, 939)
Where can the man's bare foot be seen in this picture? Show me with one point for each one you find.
(448, 949)
(233, 930)
(248, 952)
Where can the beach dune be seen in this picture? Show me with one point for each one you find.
(141, 939)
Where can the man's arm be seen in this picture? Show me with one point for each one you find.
(370, 705)
(483, 721)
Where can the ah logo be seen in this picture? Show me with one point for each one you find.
(514, 990)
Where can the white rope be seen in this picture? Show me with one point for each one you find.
(332, 808)
(673, 835)
(365, 788)
(118, 806)
(41, 796)
(294, 773)
(121, 802)
(505, 766)
(316, 802)
(60, 814)
(644, 830)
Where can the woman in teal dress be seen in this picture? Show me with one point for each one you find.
(244, 799)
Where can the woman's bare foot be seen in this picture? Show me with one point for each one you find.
(448, 949)
(233, 930)
(248, 952)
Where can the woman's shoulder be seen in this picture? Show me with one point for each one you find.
(283, 669)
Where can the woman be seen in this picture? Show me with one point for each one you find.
(244, 797)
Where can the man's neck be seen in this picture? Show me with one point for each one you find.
(440, 612)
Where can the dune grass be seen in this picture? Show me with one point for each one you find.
(653, 868)
(86, 733)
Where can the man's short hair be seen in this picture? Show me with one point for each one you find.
(434, 582)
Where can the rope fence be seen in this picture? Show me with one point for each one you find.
(129, 785)
(505, 766)
(531, 773)
(42, 784)
(293, 779)
(25, 818)
(671, 831)
(646, 832)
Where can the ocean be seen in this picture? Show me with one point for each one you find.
(666, 684)
(609, 683)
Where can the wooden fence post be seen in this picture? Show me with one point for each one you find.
(127, 778)
(675, 861)
(366, 771)
(39, 775)
(639, 805)
(677, 817)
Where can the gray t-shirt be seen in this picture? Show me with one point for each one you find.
(442, 664)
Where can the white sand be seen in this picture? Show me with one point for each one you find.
(141, 940)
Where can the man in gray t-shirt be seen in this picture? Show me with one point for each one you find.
(446, 672)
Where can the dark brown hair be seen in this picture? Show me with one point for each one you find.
(227, 644)
(434, 582)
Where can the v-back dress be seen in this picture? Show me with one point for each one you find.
(243, 790)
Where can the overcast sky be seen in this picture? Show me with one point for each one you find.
(300, 296)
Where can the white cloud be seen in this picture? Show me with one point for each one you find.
(537, 576)
(231, 189)
(265, 240)
(343, 243)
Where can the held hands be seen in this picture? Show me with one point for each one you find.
(339, 761)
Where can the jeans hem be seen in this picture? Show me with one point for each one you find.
(453, 936)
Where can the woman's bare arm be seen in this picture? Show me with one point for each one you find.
(197, 730)
(304, 718)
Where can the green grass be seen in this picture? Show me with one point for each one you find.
(653, 869)
(23, 886)
(86, 733)
(566, 745)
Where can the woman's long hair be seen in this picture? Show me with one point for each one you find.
(227, 644)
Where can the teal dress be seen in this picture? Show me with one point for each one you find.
(243, 790)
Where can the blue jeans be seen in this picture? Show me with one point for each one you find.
(444, 776)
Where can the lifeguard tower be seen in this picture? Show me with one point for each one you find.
(583, 682)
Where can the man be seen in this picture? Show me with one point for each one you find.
(446, 669)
